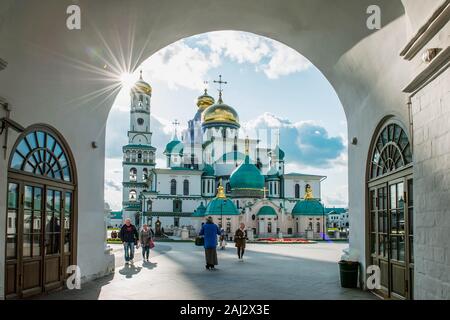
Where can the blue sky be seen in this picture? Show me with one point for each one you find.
(269, 85)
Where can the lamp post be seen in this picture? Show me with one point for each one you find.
(323, 221)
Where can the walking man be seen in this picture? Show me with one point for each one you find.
(129, 236)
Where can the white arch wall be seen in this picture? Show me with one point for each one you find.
(42, 84)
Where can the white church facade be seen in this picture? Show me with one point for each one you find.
(212, 171)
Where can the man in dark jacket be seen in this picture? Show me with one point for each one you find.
(129, 236)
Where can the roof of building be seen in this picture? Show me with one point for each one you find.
(208, 170)
(116, 215)
(335, 210)
(138, 146)
(220, 114)
(247, 176)
(141, 86)
(267, 211)
(308, 207)
(174, 147)
(200, 211)
(219, 206)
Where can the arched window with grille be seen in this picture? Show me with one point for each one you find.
(173, 187)
(186, 187)
(39, 153)
(391, 151)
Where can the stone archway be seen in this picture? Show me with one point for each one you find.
(366, 73)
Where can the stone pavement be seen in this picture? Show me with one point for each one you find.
(177, 271)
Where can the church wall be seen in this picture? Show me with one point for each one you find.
(164, 179)
(289, 187)
(431, 116)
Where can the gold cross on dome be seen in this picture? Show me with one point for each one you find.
(220, 82)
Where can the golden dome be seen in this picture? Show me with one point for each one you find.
(142, 87)
(220, 114)
(205, 101)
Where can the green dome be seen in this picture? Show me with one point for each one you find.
(200, 211)
(308, 208)
(174, 146)
(208, 171)
(267, 211)
(220, 206)
(247, 176)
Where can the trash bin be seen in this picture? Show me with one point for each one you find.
(349, 273)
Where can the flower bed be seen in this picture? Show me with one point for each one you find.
(283, 240)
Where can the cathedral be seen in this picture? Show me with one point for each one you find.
(212, 171)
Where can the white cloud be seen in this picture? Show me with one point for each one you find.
(179, 65)
(306, 143)
(272, 57)
(186, 63)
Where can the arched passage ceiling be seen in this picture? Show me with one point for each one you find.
(53, 64)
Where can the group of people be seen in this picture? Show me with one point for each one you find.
(131, 239)
(210, 231)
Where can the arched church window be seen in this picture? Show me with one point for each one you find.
(269, 227)
(186, 187)
(310, 226)
(139, 157)
(209, 186)
(318, 227)
(391, 151)
(173, 187)
(228, 187)
(132, 195)
(133, 174)
(297, 191)
(140, 121)
(39, 153)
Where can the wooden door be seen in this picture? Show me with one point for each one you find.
(390, 236)
(38, 246)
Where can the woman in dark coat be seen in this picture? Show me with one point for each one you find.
(240, 238)
(210, 231)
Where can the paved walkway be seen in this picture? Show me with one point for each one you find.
(177, 271)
